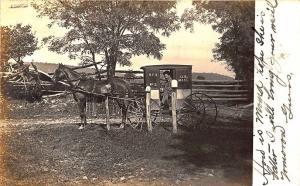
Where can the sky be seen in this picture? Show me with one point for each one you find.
(182, 47)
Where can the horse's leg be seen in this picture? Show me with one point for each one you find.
(123, 107)
(125, 114)
(82, 107)
(123, 111)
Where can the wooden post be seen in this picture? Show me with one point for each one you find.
(174, 85)
(148, 109)
(87, 110)
(93, 107)
(107, 113)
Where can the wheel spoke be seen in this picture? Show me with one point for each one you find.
(136, 113)
(198, 108)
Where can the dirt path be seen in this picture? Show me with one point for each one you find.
(60, 153)
(44, 148)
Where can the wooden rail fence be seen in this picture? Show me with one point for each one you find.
(221, 91)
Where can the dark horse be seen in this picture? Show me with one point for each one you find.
(83, 88)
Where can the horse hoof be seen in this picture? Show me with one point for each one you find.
(81, 127)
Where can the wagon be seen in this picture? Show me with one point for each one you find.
(192, 108)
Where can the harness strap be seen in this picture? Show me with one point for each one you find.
(75, 88)
(103, 95)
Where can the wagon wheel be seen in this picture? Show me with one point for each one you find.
(192, 112)
(211, 109)
(154, 111)
(197, 109)
(136, 113)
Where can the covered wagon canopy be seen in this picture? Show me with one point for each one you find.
(153, 77)
(182, 73)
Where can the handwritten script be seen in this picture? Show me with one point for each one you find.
(273, 109)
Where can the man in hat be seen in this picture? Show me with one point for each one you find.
(167, 90)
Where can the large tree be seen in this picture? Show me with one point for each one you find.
(4, 57)
(234, 21)
(112, 30)
(4, 52)
(21, 41)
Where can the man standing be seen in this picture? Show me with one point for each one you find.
(167, 90)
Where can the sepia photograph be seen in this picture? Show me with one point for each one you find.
(114, 92)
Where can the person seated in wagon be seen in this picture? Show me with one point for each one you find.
(167, 90)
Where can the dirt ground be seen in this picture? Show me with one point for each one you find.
(41, 145)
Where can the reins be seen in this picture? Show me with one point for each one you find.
(103, 95)
(75, 88)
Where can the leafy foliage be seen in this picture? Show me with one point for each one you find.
(21, 42)
(232, 19)
(115, 30)
(4, 54)
(200, 77)
(129, 75)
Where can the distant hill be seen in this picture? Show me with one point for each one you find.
(210, 76)
(50, 68)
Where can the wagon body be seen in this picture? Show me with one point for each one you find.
(192, 109)
(153, 77)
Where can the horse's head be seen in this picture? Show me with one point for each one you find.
(59, 73)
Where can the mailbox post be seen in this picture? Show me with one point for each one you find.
(181, 88)
(174, 85)
(107, 113)
(148, 109)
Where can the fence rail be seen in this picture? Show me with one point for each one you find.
(218, 81)
(217, 86)
(223, 92)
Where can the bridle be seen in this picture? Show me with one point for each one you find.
(69, 80)
(76, 88)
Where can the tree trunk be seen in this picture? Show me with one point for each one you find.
(111, 61)
(95, 64)
(111, 69)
